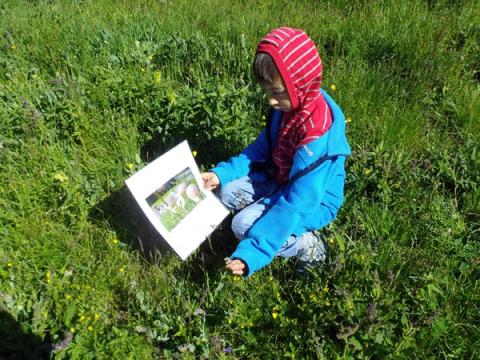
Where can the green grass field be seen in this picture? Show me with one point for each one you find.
(88, 88)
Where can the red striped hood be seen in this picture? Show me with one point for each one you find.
(298, 62)
(300, 67)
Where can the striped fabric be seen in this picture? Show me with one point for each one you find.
(300, 66)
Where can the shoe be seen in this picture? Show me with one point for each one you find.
(312, 254)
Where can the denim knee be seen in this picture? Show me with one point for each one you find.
(240, 225)
(233, 197)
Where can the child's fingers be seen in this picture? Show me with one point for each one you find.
(237, 267)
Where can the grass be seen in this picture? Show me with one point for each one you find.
(88, 88)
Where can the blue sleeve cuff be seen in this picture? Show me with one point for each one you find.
(222, 175)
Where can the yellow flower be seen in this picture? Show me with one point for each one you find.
(68, 296)
(263, 117)
(333, 87)
(331, 241)
(194, 153)
(9, 264)
(171, 98)
(142, 69)
(72, 330)
(325, 289)
(327, 303)
(122, 269)
(130, 166)
(60, 176)
(270, 278)
(115, 241)
(13, 46)
(150, 57)
(90, 328)
(368, 171)
(82, 317)
(236, 278)
(274, 315)
(96, 317)
(157, 77)
(349, 120)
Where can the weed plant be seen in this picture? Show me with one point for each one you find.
(91, 91)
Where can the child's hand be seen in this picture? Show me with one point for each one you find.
(210, 180)
(237, 266)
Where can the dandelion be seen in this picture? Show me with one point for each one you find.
(171, 98)
(96, 317)
(90, 328)
(82, 317)
(274, 315)
(130, 166)
(194, 153)
(333, 87)
(348, 120)
(60, 176)
(367, 171)
(157, 76)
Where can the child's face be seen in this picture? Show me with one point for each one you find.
(278, 95)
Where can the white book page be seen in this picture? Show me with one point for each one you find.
(170, 192)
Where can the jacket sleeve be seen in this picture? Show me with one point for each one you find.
(238, 166)
(270, 232)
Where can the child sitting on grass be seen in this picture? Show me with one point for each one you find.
(289, 181)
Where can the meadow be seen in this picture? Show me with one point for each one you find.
(91, 91)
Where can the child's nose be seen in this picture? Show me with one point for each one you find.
(272, 101)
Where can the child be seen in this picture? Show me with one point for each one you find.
(289, 181)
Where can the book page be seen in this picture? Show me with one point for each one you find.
(170, 192)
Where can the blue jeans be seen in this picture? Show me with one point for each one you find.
(244, 197)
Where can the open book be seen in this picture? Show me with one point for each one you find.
(170, 192)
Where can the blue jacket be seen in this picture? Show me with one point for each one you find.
(308, 203)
